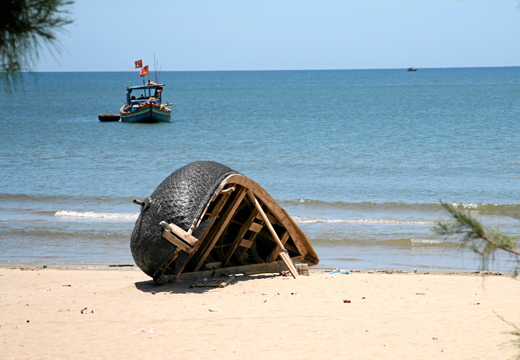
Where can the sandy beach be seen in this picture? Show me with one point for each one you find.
(121, 314)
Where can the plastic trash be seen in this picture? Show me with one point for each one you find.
(338, 271)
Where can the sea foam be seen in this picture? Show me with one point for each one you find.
(96, 215)
(308, 220)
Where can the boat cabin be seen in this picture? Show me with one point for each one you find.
(138, 95)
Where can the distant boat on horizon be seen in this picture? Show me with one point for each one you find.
(411, 69)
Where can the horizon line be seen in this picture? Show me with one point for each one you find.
(259, 70)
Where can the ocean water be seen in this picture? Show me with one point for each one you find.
(359, 158)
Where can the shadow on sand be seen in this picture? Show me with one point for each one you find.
(186, 286)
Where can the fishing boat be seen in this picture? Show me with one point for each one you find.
(411, 69)
(207, 220)
(147, 107)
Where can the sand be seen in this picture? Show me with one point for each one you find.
(121, 314)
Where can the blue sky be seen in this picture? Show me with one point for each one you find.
(288, 34)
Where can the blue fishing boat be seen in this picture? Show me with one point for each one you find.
(147, 107)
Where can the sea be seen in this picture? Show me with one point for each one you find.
(360, 159)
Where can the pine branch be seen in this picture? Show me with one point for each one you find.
(483, 241)
(26, 25)
(515, 332)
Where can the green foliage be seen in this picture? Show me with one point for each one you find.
(515, 332)
(26, 25)
(483, 241)
(516, 340)
(474, 235)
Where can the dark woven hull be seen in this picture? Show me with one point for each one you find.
(208, 202)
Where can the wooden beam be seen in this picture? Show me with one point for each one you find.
(264, 268)
(240, 236)
(223, 199)
(246, 243)
(221, 226)
(177, 242)
(180, 233)
(256, 227)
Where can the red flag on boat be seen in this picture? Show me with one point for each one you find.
(144, 71)
(138, 64)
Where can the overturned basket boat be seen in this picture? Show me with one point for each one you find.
(206, 219)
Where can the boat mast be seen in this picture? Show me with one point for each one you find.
(155, 69)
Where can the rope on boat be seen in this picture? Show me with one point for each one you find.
(204, 116)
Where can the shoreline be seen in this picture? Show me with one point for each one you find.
(313, 270)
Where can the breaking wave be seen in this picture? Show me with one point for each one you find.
(96, 215)
(307, 220)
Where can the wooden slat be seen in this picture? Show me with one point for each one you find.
(272, 219)
(177, 242)
(256, 227)
(291, 248)
(180, 233)
(283, 253)
(218, 207)
(246, 243)
(276, 251)
(240, 236)
(272, 267)
(221, 225)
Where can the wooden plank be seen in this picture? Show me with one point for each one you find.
(240, 236)
(221, 227)
(242, 251)
(246, 243)
(177, 242)
(273, 220)
(264, 268)
(291, 248)
(179, 232)
(256, 227)
(224, 196)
